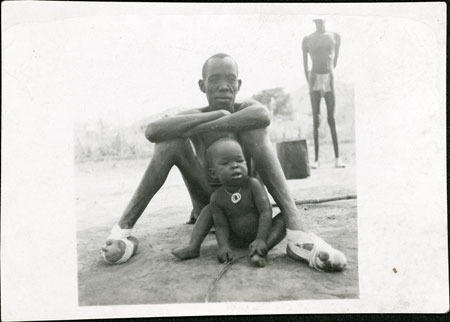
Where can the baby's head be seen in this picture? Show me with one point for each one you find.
(227, 162)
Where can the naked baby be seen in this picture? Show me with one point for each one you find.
(241, 209)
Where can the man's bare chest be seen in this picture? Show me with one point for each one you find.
(322, 43)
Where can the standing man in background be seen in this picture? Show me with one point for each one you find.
(323, 48)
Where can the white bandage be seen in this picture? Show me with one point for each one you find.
(129, 248)
(297, 239)
(121, 234)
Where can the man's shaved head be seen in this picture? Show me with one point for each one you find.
(220, 82)
(218, 56)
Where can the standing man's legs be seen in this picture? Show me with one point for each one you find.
(315, 97)
(330, 101)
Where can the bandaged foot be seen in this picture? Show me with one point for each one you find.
(338, 163)
(120, 246)
(315, 165)
(314, 250)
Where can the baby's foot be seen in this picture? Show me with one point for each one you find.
(258, 260)
(186, 252)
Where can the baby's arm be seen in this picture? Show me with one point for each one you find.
(265, 218)
(222, 231)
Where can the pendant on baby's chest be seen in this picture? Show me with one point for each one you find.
(236, 197)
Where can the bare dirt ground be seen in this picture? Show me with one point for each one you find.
(153, 275)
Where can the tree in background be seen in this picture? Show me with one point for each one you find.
(278, 102)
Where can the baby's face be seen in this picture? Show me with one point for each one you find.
(229, 163)
(114, 250)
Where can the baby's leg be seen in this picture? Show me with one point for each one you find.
(202, 227)
(277, 232)
(276, 235)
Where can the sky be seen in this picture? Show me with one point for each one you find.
(122, 65)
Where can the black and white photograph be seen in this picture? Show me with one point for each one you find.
(234, 203)
(224, 158)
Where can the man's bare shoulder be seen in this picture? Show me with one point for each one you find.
(305, 42)
(247, 103)
(311, 36)
(337, 37)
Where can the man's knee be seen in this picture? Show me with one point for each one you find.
(171, 148)
(254, 138)
(331, 121)
(316, 121)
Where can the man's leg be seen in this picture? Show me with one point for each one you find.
(197, 203)
(167, 154)
(258, 144)
(331, 103)
(315, 104)
(266, 162)
(277, 232)
(202, 227)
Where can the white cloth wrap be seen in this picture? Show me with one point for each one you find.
(322, 83)
(297, 238)
(121, 234)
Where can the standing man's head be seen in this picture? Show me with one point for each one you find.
(320, 24)
(220, 81)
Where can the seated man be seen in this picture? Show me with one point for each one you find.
(182, 141)
(241, 209)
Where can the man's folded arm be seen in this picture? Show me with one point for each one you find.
(250, 115)
(175, 126)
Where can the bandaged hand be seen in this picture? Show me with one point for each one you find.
(224, 254)
(258, 247)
